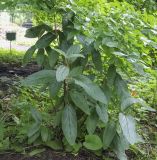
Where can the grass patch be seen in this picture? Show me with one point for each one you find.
(14, 57)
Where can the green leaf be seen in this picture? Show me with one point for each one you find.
(36, 115)
(111, 75)
(28, 55)
(36, 151)
(40, 56)
(102, 113)
(96, 57)
(74, 49)
(91, 89)
(45, 40)
(44, 133)
(56, 145)
(76, 71)
(2, 131)
(119, 145)
(108, 135)
(52, 56)
(92, 142)
(69, 124)
(41, 77)
(129, 101)
(91, 123)
(54, 88)
(34, 137)
(34, 129)
(127, 124)
(37, 31)
(80, 101)
(109, 42)
(62, 73)
(121, 88)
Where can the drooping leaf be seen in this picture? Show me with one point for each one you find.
(69, 124)
(92, 142)
(129, 101)
(108, 135)
(45, 40)
(111, 75)
(52, 56)
(80, 101)
(40, 56)
(44, 133)
(96, 57)
(127, 124)
(28, 55)
(74, 49)
(102, 113)
(91, 123)
(37, 31)
(54, 88)
(91, 89)
(62, 73)
(41, 77)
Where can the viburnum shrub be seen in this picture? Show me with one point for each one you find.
(86, 63)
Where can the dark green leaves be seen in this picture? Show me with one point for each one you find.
(37, 31)
(96, 57)
(93, 142)
(108, 135)
(102, 113)
(69, 124)
(91, 89)
(45, 40)
(41, 77)
(28, 55)
(62, 73)
(80, 101)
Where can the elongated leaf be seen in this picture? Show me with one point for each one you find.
(129, 101)
(36, 115)
(76, 71)
(35, 128)
(102, 113)
(54, 88)
(91, 89)
(74, 49)
(40, 56)
(111, 75)
(91, 123)
(34, 137)
(62, 73)
(108, 135)
(93, 142)
(44, 133)
(45, 40)
(69, 124)
(37, 31)
(36, 151)
(128, 127)
(80, 101)
(96, 57)
(52, 56)
(41, 77)
(120, 144)
(121, 87)
(56, 145)
(28, 55)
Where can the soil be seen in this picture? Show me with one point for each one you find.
(51, 155)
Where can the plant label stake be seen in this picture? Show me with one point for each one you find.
(11, 36)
